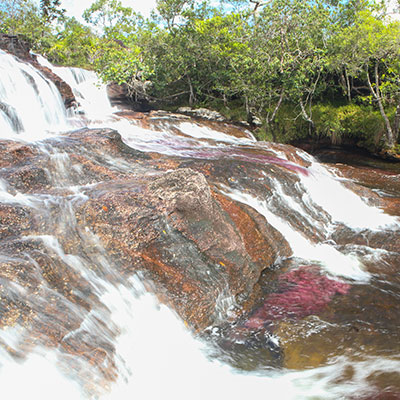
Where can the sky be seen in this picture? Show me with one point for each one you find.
(75, 8)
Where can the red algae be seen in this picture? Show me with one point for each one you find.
(301, 292)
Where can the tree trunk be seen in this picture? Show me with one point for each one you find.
(270, 119)
(192, 97)
(390, 138)
(396, 123)
(348, 87)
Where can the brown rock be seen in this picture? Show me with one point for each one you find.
(173, 228)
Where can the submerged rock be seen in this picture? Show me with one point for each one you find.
(300, 293)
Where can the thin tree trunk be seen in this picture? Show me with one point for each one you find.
(348, 87)
(192, 97)
(377, 95)
(304, 113)
(396, 124)
(278, 105)
(249, 117)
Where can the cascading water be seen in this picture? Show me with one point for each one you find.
(90, 92)
(79, 317)
(29, 103)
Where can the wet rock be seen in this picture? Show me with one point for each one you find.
(111, 211)
(172, 227)
(63, 87)
(15, 45)
(12, 116)
(28, 178)
(98, 142)
(256, 233)
(13, 153)
(384, 239)
(14, 220)
(202, 113)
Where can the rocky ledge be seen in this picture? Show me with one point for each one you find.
(91, 209)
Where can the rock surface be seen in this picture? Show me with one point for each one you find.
(86, 208)
(204, 113)
(161, 217)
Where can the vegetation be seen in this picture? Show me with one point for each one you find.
(307, 69)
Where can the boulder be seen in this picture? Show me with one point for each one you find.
(203, 113)
(175, 230)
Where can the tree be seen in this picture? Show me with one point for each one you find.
(74, 45)
(171, 10)
(285, 58)
(51, 10)
(369, 51)
(23, 18)
(110, 18)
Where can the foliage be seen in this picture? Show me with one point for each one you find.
(51, 10)
(110, 18)
(23, 18)
(349, 123)
(369, 50)
(74, 45)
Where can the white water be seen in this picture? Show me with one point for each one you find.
(158, 357)
(204, 132)
(343, 204)
(89, 91)
(333, 261)
(34, 105)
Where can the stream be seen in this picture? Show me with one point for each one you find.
(155, 256)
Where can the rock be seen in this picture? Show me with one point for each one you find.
(119, 96)
(112, 212)
(203, 113)
(63, 87)
(173, 229)
(16, 46)
(14, 220)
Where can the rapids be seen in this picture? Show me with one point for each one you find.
(79, 321)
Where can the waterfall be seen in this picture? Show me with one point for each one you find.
(89, 91)
(30, 105)
(79, 318)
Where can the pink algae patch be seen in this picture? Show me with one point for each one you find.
(301, 292)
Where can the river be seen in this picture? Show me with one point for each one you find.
(78, 321)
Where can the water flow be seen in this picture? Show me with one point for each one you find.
(156, 356)
(326, 255)
(342, 204)
(159, 358)
(30, 105)
(89, 91)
